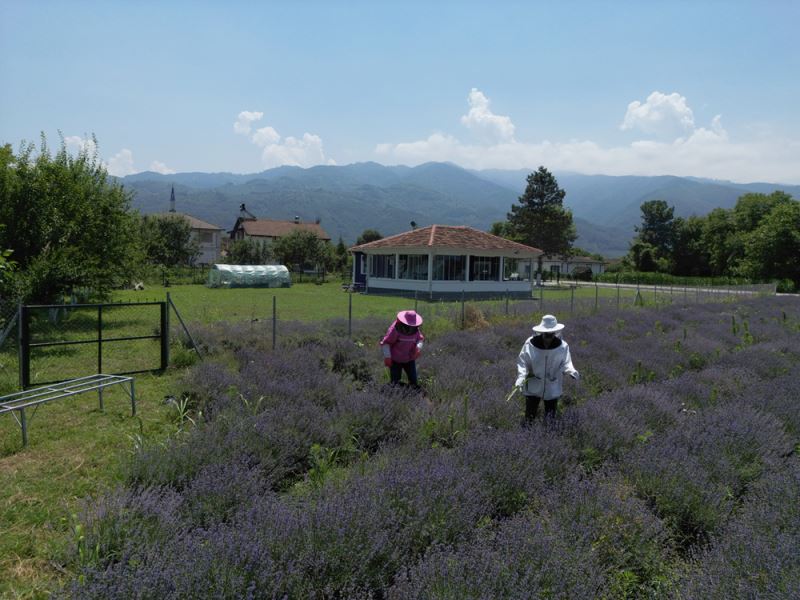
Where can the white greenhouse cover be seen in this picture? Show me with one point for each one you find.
(273, 276)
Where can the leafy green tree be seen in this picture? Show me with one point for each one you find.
(340, 256)
(367, 236)
(773, 248)
(67, 224)
(721, 242)
(643, 256)
(167, 240)
(751, 208)
(540, 219)
(6, 264)
(300, 249)
(658, 226)
(689, 255)
(250, 251)
(502, 229)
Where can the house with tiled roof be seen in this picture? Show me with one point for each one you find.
(572, 265)
(248, 226)
(207, 236)
(442, 261)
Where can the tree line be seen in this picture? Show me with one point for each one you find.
(66, 225)
(758, 239)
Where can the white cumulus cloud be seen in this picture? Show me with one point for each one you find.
(300, 152)
(121, 164)
(660, 114)
(77, 144)
(689, 151)
(482, 121)
(305, 151)
(265, 136)
(244, 121)
(159, 167)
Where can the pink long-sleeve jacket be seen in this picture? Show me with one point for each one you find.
(400, 347)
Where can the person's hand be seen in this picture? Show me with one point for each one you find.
(387, 361)
(416, 353)
(576, 376)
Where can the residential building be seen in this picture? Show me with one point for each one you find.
(442, 261)
(248, 226)
(572, 265)
(207, 236)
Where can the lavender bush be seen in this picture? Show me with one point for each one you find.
(307, 476)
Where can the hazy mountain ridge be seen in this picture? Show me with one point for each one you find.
(348, 199)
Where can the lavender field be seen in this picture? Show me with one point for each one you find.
(671, 472)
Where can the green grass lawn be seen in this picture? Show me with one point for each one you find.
(75, 451)
(308, 301)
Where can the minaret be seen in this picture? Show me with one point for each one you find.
(172, 200)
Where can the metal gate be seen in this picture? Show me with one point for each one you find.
(65, 341)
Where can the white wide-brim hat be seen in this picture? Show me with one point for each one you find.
(549, 324)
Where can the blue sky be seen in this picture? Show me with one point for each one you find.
(698, 88)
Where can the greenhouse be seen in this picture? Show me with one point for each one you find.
(270, 276)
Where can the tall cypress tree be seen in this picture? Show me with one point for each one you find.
(540, 219)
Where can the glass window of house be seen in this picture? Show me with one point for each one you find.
(382, 266)
(516, 269)
(484, 268)
(413, 266)
(449, 268)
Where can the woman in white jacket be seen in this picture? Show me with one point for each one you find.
(541, 365)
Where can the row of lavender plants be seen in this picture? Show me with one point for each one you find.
(672, 470)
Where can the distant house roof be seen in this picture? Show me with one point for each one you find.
(276, 229)
(448, 236)
(194, 222)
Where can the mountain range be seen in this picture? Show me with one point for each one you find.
(351, 198)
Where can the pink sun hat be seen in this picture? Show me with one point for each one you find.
(409, 317)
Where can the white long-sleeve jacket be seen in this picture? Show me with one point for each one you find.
(543, 368)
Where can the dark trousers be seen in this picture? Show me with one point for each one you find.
(396, 371)
(532, 408)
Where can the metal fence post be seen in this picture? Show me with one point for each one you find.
(350, 315)
(572, 300)
(24, 425)
(133, 399)
(617, 295)
(165, 334)
(463, 312)
(99, 338)
(506, 301)
(415, 301)
(23, 352)
(596, 296)
(274, 319)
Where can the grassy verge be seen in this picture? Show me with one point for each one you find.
(308, 301)
(74, 451)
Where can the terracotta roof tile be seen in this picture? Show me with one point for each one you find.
(447, 236)
(194, 222)
(269, 228)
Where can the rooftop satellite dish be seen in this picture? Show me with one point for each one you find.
(413, 224)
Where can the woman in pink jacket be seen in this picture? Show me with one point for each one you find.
(401, 346)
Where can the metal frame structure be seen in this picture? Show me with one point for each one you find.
(35, 397)
(25, 343)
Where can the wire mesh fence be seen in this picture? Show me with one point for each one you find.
(58, 328)
(466, 312)
(58, 342)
